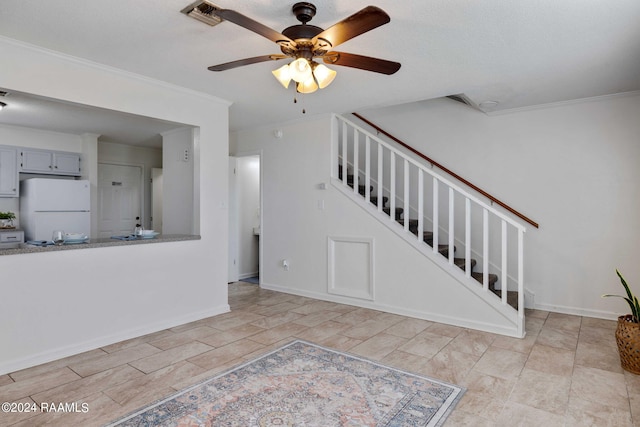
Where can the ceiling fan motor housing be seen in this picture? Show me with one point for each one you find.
(303, 33)
(304, 11)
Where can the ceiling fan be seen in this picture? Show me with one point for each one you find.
(304, 43)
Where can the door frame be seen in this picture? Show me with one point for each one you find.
(236, 236)
(140, 185)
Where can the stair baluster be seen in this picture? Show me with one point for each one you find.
(452, 223)
(380, 177)
(420, 205)
(467, 237)
(392, 185)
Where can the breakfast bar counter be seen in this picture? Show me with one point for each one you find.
(25, 248)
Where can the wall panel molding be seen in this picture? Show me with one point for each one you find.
(351, 267)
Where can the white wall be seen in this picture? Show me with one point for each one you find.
(573, 168)
(35, 138)
(248, 187)
(45, 316)
(148, 158)
(295, 228)
(177, 182)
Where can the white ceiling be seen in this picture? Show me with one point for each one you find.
(519, 53)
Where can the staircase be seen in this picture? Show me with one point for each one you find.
(424, 207)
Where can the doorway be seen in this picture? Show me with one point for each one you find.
(245, 218)
(119, 199)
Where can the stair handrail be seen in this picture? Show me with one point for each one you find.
(449, 172)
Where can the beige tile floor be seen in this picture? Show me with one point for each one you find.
(566, 372)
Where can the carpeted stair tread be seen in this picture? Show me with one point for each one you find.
(461, 262)
(361, 188)
(399, 212)
(374, 200)
(444, 250)
(512, 298)
(413, 225)
(493, 278)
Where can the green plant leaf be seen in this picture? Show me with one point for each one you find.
(631, 299)
(636, 313)
(624, 283)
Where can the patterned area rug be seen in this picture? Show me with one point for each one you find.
(302, 384)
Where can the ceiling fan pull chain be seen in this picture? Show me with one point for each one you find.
(302, 98)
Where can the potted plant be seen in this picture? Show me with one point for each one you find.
(628, 331)
(6, 219)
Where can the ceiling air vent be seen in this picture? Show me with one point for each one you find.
(203, 11)
(460, 97)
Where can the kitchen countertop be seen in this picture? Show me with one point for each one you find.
(99, 243)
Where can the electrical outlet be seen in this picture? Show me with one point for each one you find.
(185, 155)
(285, 264)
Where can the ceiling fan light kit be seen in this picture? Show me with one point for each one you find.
(283, 75)
(300, 70)
(303, 43)
(324, 75)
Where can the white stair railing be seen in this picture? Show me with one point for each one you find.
(438, 204)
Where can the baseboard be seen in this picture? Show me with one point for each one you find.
(247, 275)
(576, 311)
(70, 350)
(486, 327)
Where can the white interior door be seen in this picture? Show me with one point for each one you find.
(119, 199)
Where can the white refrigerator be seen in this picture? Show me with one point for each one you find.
(54, 204)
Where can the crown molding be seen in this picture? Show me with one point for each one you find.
(564, 103)
(113, 70)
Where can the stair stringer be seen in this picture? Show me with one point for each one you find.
(516, 325)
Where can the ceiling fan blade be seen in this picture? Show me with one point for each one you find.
(362, 62)
(360, 22)
(255, 26)
(246, 61)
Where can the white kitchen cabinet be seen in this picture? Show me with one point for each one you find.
(11, 239)
(8, 172)
(49, 162)
(66, 163)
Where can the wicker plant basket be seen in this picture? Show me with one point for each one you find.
(628, 339)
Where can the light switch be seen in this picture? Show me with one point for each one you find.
(321, 205)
